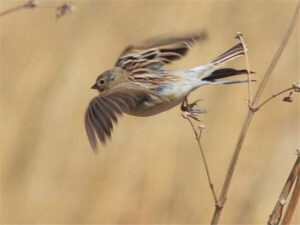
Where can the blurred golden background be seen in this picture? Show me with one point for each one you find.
(151, 172)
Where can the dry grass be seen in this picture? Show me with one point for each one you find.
(151, 172)
(277, 212)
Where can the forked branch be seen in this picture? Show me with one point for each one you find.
(295, 88)
(225, 188)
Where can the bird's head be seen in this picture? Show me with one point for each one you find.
(106, 80)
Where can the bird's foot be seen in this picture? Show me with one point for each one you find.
(191, 110)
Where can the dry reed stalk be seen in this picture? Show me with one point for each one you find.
(251, 112)
(198, 134)
(275, 217)
(292, 204)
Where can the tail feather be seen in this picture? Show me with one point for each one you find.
(232, 53)
(211, 75)
(237, 81)
(217, 75)
(223, 73)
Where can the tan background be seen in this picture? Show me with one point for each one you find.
(152, 171)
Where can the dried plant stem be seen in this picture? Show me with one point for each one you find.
(276, 57)
(198, 137)
(60, 10)
(16, 8)
(240, 37)
(293, 203)
(275, 217)
(225, 188)
(270, 98)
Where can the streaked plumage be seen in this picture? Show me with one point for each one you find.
(138, 85)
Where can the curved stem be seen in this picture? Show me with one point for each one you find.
(270, 98)
(16, 8)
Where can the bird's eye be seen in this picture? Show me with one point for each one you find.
(102, 81)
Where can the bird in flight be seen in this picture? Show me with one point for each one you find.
(139, 85)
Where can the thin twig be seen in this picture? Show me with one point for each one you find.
(29, 4)
(225, 188)
(275, 217)
(61, 10)
(198, 137)
(16, 8)
(240, 37)
(272, 97)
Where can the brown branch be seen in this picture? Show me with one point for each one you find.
(198, 137)
(29, 4)
(272, 97)
(225, 188)
(60, 10)
(275, 217)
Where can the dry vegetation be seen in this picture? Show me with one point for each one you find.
(150, 172)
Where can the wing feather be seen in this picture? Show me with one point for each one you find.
(97, 123)
(90, 131)
(104, 118)
(103, 110)
(155, 53)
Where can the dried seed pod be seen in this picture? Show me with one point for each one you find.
(287, 99)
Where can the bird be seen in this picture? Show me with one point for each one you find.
(139, 85)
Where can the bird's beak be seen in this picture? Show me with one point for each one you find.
(94, 86)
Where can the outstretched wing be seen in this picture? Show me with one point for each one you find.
(155, 53)
(104, 109)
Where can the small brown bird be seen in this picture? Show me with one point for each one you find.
(138, 85)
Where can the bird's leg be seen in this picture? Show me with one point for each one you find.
(184, 105)
(191, 110)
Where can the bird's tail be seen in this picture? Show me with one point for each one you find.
(232, 53)
(216, 75)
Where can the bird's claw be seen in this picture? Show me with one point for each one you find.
(194, 116)
(192, 111)
(195, 103)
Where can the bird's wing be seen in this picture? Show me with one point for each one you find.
(155, 53)
(104, 109)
